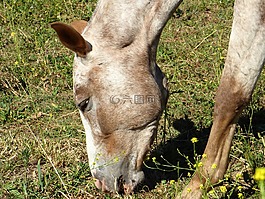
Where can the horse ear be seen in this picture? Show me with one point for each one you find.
(71, 38)
(79, 25)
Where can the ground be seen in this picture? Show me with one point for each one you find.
(42, 143)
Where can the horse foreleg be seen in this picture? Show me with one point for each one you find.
(245, 59)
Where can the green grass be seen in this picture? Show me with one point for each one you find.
(42, 143)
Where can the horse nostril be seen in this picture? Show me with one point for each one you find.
(127, 188)
(120, 180)
(119, 183)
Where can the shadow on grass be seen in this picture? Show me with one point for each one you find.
(177, 152)
(255, 123)
(173, 157)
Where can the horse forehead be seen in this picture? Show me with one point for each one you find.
(110, 75)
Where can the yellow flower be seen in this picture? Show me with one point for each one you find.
(240, 195)
(154, 159)
(198, 165)
(194, 140)
(147, 157)
(227, 176)
(223, 189)
(259, 174)
(13, 34)
(204, 155)
(201, 186)
(238, 175)
(214, 166)
(239, 188)
(189, 175)
(188, 190)
(211, 192)
(172, 182)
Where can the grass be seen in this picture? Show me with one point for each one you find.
(42, 143)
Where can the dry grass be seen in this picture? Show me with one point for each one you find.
(42, 143)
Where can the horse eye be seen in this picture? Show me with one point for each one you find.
(85, 105)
